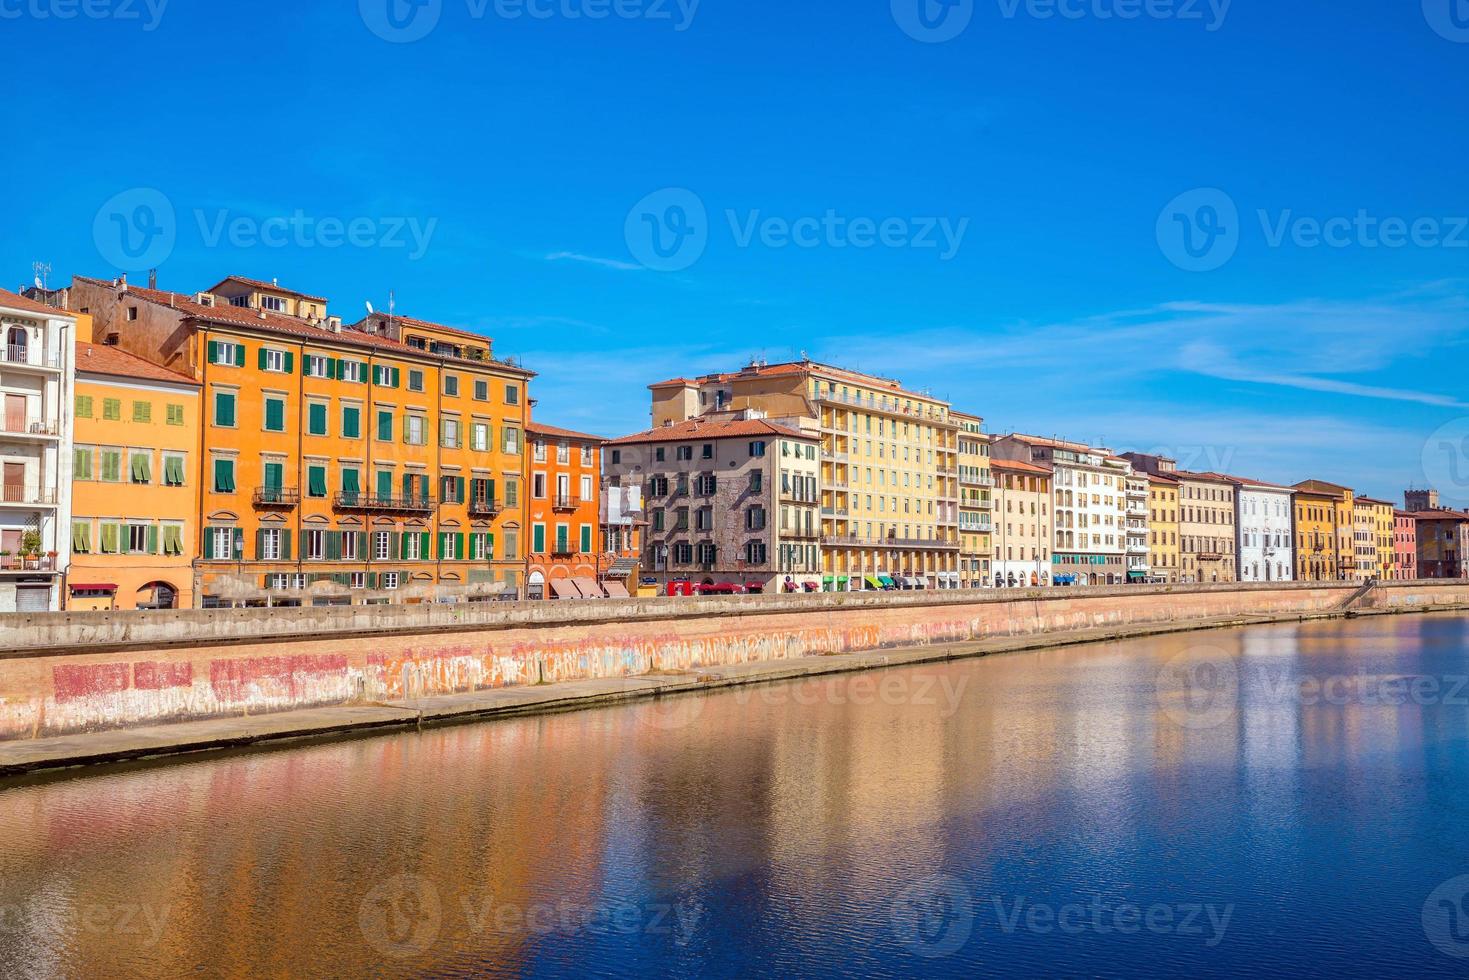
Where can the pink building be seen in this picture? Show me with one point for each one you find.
(1405, 545)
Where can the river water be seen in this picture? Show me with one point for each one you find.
(1278, 799)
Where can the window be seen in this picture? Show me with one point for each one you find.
(586, 488)
(616, 456)
(757, 449)
(81, 537)
(354, 371)
(317, 366)
(351, 422)
(538, 486)
(479, 437)
(275, 414)
(316, 480)
(512, 440)
(224, 476)
(112, 409)
(385, 425)
(482, 546)
(175, 415)
(450, 437)
(384, 376)
(390, 580)
(685, 452)
(140, 466)
(512, 544)
(512, 395)
(227, 353)
(381, 545)
(707, 452)
(278, 361)
(415, 380)
(413, 430)
(142, 411)
(586, 539)
(349, 548)
(269, 542)
(173, 469)
(111, 465)
(224, 409)
(481, 391)
(273, 303)
(451, 489)
(223, 543)
(316, 419)
(451, 385)
(658, 454)
(84, 406)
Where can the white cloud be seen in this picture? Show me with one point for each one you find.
(594, 260)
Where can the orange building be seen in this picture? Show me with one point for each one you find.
(135, 483)
(566, 557)
(374, 462)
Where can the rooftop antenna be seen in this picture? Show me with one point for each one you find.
(370, 310)
(42, 270)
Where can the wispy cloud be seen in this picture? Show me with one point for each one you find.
(620, 266)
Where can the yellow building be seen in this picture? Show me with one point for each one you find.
(890, 470)
(373, 462)
(1165, 553)
(1373, 536)
(135, 482)
(1325, 519)
(976, 503)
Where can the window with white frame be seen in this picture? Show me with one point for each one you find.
(270, 544)
(315, 545)
(381, 542)
(349, 545)
(275, 360)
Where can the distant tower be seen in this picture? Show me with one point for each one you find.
(1420, 499)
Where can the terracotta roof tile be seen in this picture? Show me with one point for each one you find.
(430, 325)
(998, 463)
(15, 301)
(273, 287)
(700, 429)
(551, 430)
(102, 359)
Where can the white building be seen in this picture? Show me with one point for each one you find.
(1263, 515)
(1089, 495)
(1135, 514)
(36, 378)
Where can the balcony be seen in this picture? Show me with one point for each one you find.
(484, 507)
(803, 534)
(25, 495)
(375, 503)
(24, 355)
(1134, 548)
(276, 497)
(565, 502)
(833, 512)
(1137, 510)
(894, 542)
(844, 540)
(21, 426)
(832, 456)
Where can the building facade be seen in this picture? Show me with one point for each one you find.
(1325, 532)
(889, 473)
(976, 504)
(1264, 533)
(1139, 534)
(1088, 511)
(563, 512)
(1164, 556)
(1023, 530)
(377, 462)
(135, 483)
(1442, 536)
(1373, 532)
(732, 501)
(36, 382)
(1405, 546)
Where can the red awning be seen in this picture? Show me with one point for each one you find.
(92, 586)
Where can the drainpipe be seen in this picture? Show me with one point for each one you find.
(64, 424)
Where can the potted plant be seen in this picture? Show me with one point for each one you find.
(30, 547)
(5, 559)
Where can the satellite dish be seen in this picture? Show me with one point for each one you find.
(369, 308)
(38, 283)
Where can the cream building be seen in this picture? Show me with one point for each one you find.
(889, 464)
(976, 503)
(1023, 532)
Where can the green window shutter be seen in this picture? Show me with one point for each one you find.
(290, 363)
(316, 481)
(152, 539)
(423, 545)
(173, 543)
(111, 466)
(408, 486)
(538, 539)
(384, 484)
(261, 354)
(239, 543)
(349, 482)
(561, 539)
(224, 476)
(586, 539)
(285, 546)
(173, 471)
(239, 355)
(175, 415)
(403, 546)
(459, 488)
(112, 409)
(142, 411)
(393, 546)
(224, 409)
(84, 406)
(397, 376)
(275, 415)
(259, 543)
(459, 545)
(333, 545)
(109, 539)
(316, 416)
(81, 538)
(351, 422)
(81, 464)
(306, 366)
(385, 426)
(214, 352)
(274, 475)
(141, 471)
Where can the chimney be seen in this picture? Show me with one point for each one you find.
(122, 281)
(152, 278)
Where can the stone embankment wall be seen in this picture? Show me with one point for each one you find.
(77, 672)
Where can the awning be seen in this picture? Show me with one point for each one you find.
(842, 580)
(564, 588)
(93, 586)
(887, 581)
(588, 587)
(873, 581)
(828, 578)
(616, 590)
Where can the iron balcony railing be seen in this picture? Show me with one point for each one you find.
(276, 496)
(374, 502)
(21, 425)
(28, 355)
(564, 501)
(20, 493)
(484, 506)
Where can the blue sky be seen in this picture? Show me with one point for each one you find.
(502, 168)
